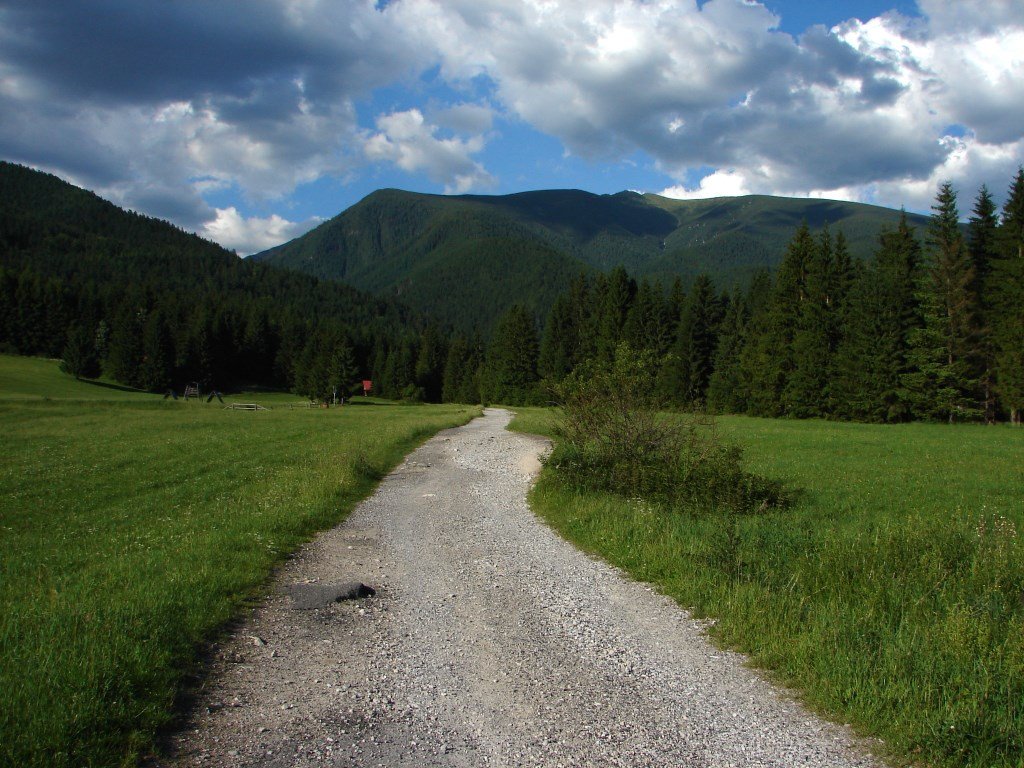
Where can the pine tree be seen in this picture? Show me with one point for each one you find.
(124, 355)
(613, 309)
(342, 369)
(725, 389)
(560, 341)
(805, 392)
(686, 373)
(454, 369)
(754, 352)
(881, 313)
(774, 359)
(982, 245)
(649, 322)
(430, 360)
(469, 386)
(944, 351)
(510, 374)
(1006, 288)
(843, 271)
(79, 358)
(154, 372)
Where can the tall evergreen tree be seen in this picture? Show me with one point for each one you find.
(155, 368)
(687, 372)
(430, 360)
(124, 354)
(455, 370)
(649, 322)
(616, 299)
(944, 351)
(79, 358)
(774, 359)
(560, 340)
(510, 374)
(880, 315)
(725, 388)
(1006, 288)
(754, 352)
(342, 371)
(805, 392)
(983, 247)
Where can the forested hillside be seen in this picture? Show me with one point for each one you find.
(155, 307)
(422, 247)
(929, 327)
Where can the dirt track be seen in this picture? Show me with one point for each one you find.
(490, 642)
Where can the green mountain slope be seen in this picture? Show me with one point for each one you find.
(157, 304)
(465, 258)
(58, 230)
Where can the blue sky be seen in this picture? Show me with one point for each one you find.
(251, 122)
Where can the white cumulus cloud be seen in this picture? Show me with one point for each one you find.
(248, 235)
(408, 141)
(718, 184)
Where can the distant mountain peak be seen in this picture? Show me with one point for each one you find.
(464, 258)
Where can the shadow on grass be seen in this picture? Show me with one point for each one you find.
(110, 385)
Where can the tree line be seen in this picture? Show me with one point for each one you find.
(930, 327)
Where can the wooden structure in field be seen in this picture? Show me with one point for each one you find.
(191, 390)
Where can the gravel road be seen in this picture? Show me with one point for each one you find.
(490, 642)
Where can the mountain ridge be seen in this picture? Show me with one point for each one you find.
(416, 245)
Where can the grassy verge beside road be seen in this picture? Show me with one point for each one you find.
(891, 594)
(132, 528)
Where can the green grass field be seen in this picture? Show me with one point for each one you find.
(132, 528)
(891, 595)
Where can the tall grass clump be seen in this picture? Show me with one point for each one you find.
(613, 437)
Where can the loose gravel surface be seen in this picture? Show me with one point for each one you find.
(490, 642)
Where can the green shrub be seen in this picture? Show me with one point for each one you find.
(613, 437)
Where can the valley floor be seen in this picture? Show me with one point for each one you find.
(490, 641)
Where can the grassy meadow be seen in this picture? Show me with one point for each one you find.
(891, 595)
(132, 528)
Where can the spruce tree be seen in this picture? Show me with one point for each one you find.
(451, 385)
(843, 271)
(725, 390)
(124, 355)
(154, 372)
(79, 358)
(856, 376)
(697, 340)
(754, 352)
(430, 360)
(805, 392)
(982, 244)
(342, 370)
(469, 385)
(560, 340)
(880, 315)
(613, 309)
(944, 350)
(1006, 288)
(649, 323)
(510, 374)
(774, 359)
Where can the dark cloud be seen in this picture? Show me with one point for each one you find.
(117, 52)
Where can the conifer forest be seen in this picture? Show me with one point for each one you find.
(930, 327)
